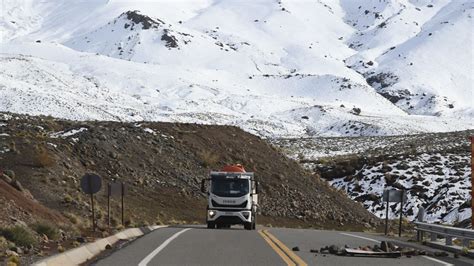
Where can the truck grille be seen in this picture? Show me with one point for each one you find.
(243, 205)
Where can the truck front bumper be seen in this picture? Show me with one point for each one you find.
(229, 217)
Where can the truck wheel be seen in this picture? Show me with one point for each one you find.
(248, 226)
(211, 225)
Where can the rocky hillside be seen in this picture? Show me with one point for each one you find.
(434, 169)
(162, 165)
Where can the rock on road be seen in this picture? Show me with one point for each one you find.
(197, 245)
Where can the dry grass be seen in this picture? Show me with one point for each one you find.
(3, 243)
(43, 158)
(208, 158)
(174, 221)
(13, 260)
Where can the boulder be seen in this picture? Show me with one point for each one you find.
(333, 249)
(6, 178)
(9, 173)
(17, 185)
(384, 246)
(11, 253)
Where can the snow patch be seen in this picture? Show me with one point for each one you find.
(65, 134)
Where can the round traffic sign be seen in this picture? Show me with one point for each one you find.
(91, 183)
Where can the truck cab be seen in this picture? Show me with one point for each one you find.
(232, 198)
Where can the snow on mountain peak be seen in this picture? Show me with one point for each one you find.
(287, 68)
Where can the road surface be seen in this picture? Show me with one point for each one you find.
(197, 245)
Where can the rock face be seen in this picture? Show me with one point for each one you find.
(145, 21)
(162, 165)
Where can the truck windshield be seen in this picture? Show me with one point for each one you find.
(230, 187)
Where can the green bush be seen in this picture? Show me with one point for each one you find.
(43, 228)
(19, 235)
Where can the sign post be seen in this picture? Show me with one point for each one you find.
(401, 213)
(123, 193)
(116, 189)
(108, 205)
(394, 196)
(91, 184)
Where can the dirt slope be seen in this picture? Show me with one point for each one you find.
(162, 165)
(17, 205)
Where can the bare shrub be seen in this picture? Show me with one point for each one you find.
(208, 158)
(43, 158)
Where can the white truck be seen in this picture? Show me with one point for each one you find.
(232, 198)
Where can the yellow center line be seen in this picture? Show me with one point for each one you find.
(278, 246)
(285, 258)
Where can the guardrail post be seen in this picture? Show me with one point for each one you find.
(420, 218)
(449, 240)
(466, 242)
(434, 237)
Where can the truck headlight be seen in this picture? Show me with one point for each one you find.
(211, 213)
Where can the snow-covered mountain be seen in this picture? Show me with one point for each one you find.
(274, 68)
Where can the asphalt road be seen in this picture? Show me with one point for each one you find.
(196, 245)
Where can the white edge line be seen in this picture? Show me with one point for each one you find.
(150, 256)
(366, 238)
(426, 257)
(438, 261)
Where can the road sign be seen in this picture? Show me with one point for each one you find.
(91, 183)
(115, 189)
(394, 196)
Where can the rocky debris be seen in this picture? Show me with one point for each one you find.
(296, 248)
(385, 249)
(333, 249)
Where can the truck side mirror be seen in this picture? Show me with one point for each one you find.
(203, 186)
(257, 184)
